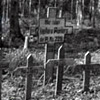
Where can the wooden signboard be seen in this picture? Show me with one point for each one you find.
(53, 29)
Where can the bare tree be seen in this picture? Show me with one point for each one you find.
(0, 15)
(94, 12)
(15, 33)
(0, 22)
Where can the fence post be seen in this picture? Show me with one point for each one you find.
(29, 77)
(86, 73)
(49, 54)
(59, 75)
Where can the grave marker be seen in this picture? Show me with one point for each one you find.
(0, 72)
(29, 77)
(86, 73)
(86, 68)
(53, 29)
(49, 49)
(31, 66)
(0, 82)
(59, 75)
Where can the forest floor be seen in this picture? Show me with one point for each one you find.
(13, 88)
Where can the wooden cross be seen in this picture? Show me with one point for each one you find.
(86, 72)
(30, 67)
(29, 77)
(59, 62)
(57, 30)
(60, 67)
(87, 67)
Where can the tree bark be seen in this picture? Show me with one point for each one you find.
(94, 14)
(0, 22)
(0, 16)
(26, 8)
(15, 32)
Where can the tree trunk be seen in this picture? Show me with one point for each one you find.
(30, 3)
(0, 22)
(5, 10)
(23, 8)
(0, 16)
(71, 10)
(94, 14)
(26, 8)
(15, 32)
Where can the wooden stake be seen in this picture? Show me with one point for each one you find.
(0, 82)
(26, 43)
(29, 77)
(86, 73)
(59, 75)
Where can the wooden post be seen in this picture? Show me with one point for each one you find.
(26, 42)
(29, 77)
(0, 72)
(59, 75)
(0, 81)
(86, 73)
(49, 54)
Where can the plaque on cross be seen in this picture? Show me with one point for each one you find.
(53, 29)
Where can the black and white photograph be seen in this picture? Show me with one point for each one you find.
(49, 49)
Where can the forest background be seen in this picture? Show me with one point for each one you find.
(18, 17)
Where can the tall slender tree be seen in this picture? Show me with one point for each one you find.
(94, 12)
(15, 32)
(0, 22)
(0, 15)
